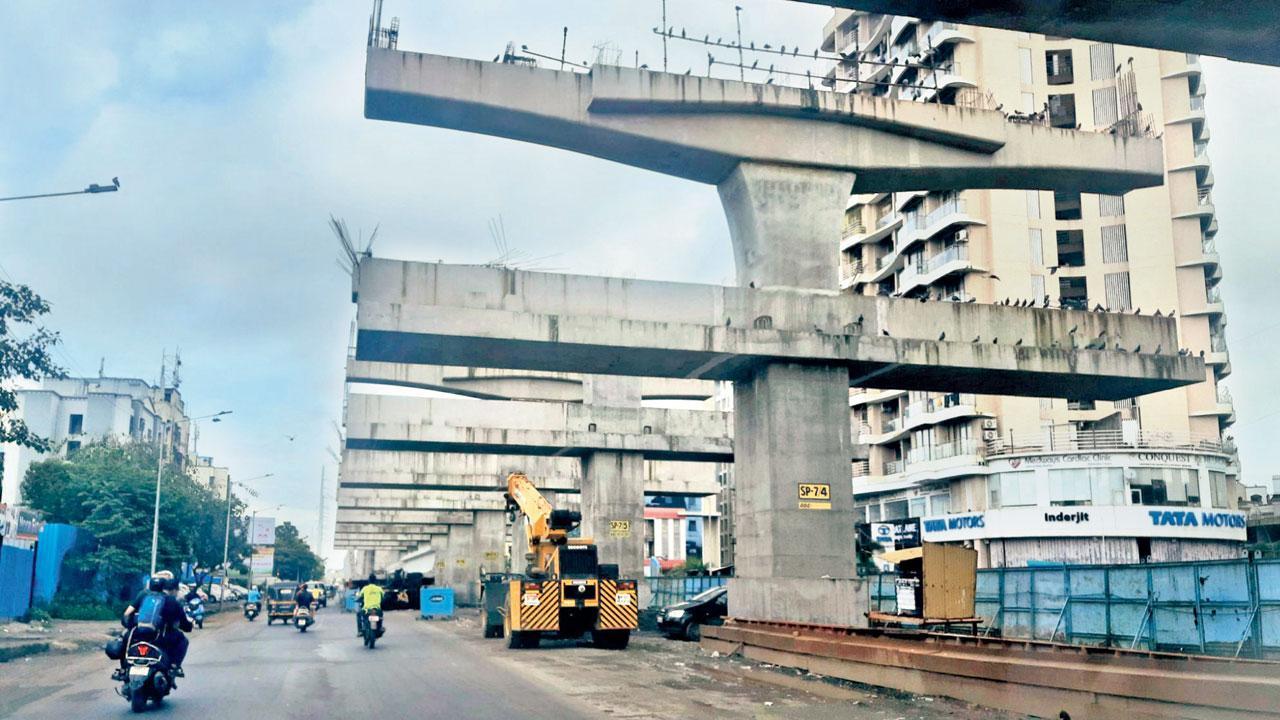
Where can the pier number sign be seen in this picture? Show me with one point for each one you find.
(815, 496)
(620, 528)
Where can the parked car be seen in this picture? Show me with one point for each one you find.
(684, 620)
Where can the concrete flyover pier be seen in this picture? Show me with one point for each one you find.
(784, 162)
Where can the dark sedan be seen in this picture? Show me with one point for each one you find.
(684, 620)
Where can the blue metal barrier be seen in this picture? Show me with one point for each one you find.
(1225, 607)
(16, 568)
(437, 602)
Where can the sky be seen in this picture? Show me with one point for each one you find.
(237, 129)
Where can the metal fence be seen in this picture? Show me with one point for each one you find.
(671, 590)
(1229, 607)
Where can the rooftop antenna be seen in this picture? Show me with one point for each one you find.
(742, 72)
(177, 367)
(664, 35)
(564, 42)
(102, 364)
(351, 257)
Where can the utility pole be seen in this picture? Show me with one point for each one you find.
(320, 527)
(737, 14)
(664, 35)
(155, 519)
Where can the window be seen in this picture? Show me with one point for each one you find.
(1165, 486)
(1066, 205)
(693, 526)
(916, 506)
(1062, 111)
(1033, 204)
(1105, 110)
(1110, 205)
(1024, 65)
(1081, 405)
(1115, 245)
(1058, 67)
(1086, 486)
(873, 512)
(1070, 248)
(1037, 245)
(895, 510)
(1037, 287)
(1218, 489)
(1028, 103)
(940, 504)
(76, 425)
(72, 446)
(1102, 61)
(1117, 289)
(1073, 293)
(1012, 489)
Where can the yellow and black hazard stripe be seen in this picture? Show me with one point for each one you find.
(545, 615)
(618, 605)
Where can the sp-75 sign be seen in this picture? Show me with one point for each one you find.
(815, 496)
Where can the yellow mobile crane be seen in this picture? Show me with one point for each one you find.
(564, 591)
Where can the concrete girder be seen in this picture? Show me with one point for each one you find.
(401, 538)
(499, 384)
(416, 471)
(382, 422)
(390, 515)
(441, 501)
(1247, 33)
(703, 128)
(436, 313)
(407, 528)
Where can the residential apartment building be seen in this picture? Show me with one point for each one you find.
(214, 477)
(71, 412)
(1046, 479)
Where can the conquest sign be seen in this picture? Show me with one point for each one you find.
(1087, 521)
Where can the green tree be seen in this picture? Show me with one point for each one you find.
(24, 353)
(294, 559)
(108, 489)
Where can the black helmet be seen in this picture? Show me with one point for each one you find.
(373, 579)
(160, 581)
(171, 584)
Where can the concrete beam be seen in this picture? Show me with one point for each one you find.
(474, 315)
(499, 384)
(1247, 33)
(407, 528)
(380, 422)
(391, 471)
(442, 501)
(703, 128)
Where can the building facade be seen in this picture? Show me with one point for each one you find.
(214, 477)
(1005, 471)
(71, 412)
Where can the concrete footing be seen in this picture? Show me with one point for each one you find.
(821, 601)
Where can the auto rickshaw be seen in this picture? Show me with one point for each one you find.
(280, 602)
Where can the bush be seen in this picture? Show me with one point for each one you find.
(82, 607)
(35, 615)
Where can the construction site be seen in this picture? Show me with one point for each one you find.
(916, 458)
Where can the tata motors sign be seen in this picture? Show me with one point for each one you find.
(1087, 521)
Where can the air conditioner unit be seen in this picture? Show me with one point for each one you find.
(962, 236)
(990, 435)
(989, 424)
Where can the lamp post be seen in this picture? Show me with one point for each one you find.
(226, 540)
(155, 519)
(93, 189)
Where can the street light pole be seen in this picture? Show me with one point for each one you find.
(93, 189)
(226, 540)
(155, 518)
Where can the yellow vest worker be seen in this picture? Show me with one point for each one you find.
(370, 597)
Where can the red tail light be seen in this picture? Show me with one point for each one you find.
(532, 587)
(143, 650)
(626, 584)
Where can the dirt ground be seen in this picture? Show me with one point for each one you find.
(660, 678)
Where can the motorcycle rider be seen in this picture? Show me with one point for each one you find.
(303, 598)
(254, 598)
(368, 598)
(167, 622)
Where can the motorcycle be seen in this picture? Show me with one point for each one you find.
(195, 610)
(145, 675)
(251, 610)
(304, 617)
(372, 627)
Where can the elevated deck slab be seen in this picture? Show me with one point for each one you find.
(472, 315)
(703, 128)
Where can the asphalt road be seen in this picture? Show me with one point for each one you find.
(249, 670)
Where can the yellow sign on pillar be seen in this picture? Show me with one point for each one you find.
(815, 496)
(461, 562)
(620, 528)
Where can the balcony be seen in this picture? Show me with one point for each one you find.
(927, 272)
(941, 409)
(849, 271)
(1193, 114)
(943, 33)
(1191, 66)
(893, 467)
(862, 396)
(1223, 408)
(1204, 207)
(943, 451)
(1208, 255)
(934, 81)
(884, 227)
(1218, 357)
(861, 469)
(1066, 439)
(899, 25)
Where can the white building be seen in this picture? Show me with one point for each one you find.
(1062, 479)
(206, 474)
(70, 412)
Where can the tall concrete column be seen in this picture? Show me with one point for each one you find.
(613, 492)
(793, 559)
(489, 539)
(460, 569)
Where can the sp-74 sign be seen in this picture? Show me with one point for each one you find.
(815, 496)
